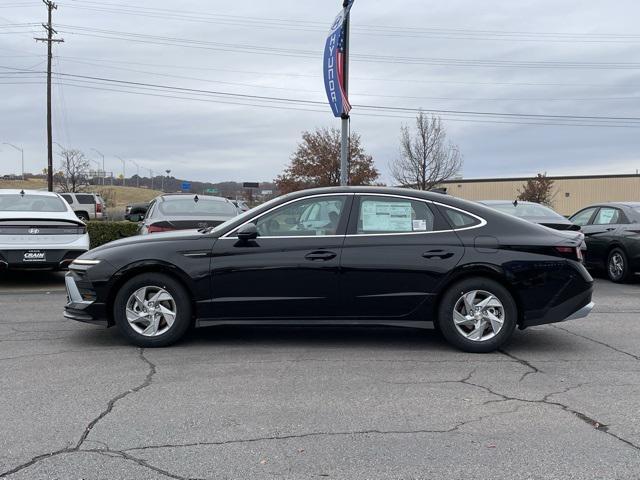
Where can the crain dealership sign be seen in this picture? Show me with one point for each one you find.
(333, 64)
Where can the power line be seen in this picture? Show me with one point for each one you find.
(370, 58)
(362, 29)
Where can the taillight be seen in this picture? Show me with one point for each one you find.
(156, 229)
(574, 253)
(98, 208)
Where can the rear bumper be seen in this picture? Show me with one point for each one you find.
(572, 309)
(56, 259)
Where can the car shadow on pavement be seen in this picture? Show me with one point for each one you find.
(31, 280)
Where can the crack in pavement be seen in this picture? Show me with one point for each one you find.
(636, 357)
(523, 362)
(601, 427)
(110, 405)
(455, 428)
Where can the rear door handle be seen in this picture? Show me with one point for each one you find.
(437, 254)
(610, 229)
(320, 255)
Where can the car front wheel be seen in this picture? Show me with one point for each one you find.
(617, 266)
(477, 315)
(152, 310)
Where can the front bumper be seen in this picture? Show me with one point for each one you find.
(81, 303)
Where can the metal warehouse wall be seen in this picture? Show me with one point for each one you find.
(571, 193)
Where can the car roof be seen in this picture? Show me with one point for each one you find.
(15, 191)
(496, 202)
(613, 204)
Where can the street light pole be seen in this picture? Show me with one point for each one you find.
(124, 171)
(103, 170)
(21, 153)
(137, 173)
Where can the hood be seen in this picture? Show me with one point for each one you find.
(154, 238)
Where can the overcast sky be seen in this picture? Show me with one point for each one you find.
(574, 57)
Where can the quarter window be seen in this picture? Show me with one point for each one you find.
(68, 198)
(85, 199)
(583, 217)
(459, 219)
(315, 216)
(379, 215)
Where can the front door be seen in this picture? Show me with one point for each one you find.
(397, 251)
(291, 270)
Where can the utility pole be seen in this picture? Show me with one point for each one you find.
(50, 40)
(151, 176)
(21, 152)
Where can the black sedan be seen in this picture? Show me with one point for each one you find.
(340, 256)
(533, 212)
(612, 235)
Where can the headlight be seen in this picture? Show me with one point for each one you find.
(79, 261)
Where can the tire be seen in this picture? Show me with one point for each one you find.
(618, 266)
(83, 216)
(136, 319)
(483, 330)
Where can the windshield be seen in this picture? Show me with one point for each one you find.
(525, 210)
(31, 203)
(188, 207)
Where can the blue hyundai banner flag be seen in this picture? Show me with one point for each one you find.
(334, 52)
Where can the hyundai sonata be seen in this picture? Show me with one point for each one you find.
(340, 256)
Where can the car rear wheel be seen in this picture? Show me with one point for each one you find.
(152, 310)
(617, 266)
(477, 315)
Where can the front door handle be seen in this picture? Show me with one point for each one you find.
(320, 255)
(437, 254)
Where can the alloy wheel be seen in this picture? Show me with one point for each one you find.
(151, 311)
(478, 315)
(616, 266)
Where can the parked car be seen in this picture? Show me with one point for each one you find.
(87, 206)
(394, 257)
(184, 211)
(139, 209)
(533, 212)
(612, 235)
(39, 229)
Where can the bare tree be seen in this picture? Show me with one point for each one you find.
(538, 189)
(426, 157)
(73, 174)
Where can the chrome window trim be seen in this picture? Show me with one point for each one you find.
(482, 221)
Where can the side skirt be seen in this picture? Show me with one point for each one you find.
(302, 323)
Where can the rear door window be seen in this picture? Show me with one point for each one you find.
(386, 215)
(608, 216)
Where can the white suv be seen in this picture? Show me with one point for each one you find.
(88, 206)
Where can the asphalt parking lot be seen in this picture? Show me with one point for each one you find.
(77, 402)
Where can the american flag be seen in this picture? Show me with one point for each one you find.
(340, 54)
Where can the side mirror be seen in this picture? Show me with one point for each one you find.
(248, 232)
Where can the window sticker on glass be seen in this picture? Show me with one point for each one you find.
(386, 216)
(419, 225)
(606, 215)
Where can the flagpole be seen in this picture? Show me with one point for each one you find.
(344, 144)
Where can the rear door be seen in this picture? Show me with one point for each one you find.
(397, 251)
